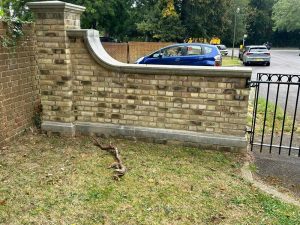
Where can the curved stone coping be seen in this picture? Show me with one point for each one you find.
(145, 132)
(96, 49)
(54, 5)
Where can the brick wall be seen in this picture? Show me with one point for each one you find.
(191, 102)
(18, 84)
(118, 51)
(84, 90)
(139, 49)
(131, 51)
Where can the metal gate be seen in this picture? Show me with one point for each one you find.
(276, 114)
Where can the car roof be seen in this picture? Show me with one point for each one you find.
(187, 44)
(256, 46)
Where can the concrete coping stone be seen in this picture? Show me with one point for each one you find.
(98, 52)
(54, 5)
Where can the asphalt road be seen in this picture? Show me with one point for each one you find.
(282, 62)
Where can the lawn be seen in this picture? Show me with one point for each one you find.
(227, 61)
(59, 180)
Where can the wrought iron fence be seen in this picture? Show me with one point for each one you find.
(275, 120)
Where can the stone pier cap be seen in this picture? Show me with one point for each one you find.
(46, 5)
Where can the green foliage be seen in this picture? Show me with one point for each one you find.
(162, 22)
(16, 9)
(227, 36)
(205, 18)
(14, 14)
(175, 20)
(13, 33)
(259, 22)
(111, 18)
(286, 15)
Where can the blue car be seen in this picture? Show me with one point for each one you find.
(190, 54)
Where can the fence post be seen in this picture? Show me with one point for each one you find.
(53, 19)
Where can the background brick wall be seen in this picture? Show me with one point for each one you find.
(118, 51)
(131, 51)
(139, 49)
(19, 91)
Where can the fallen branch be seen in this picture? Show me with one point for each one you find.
(118, 165)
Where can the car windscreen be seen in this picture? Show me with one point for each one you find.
(259, 49)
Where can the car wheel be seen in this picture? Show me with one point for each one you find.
(268, 64)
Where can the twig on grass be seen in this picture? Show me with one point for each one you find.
(118, 165)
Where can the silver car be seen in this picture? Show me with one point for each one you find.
(256, 54)
(223, 49)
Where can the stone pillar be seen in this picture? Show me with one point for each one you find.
(53, 19)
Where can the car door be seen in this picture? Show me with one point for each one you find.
(166, 56)
(193, 56)
(154, 58)
(172, 55)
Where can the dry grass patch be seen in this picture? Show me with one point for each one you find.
(55, 180)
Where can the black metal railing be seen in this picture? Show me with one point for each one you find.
(275, 120)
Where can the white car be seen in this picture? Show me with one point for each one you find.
(223, 49)
(256, 54)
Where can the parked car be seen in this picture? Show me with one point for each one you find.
(256, 54)
(192, 54)
(222, 49)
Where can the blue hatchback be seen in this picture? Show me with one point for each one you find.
(191, 54)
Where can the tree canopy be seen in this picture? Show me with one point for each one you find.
(176, 20)
(286, 15)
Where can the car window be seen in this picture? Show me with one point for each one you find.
(174, 51)
(194, 50)
(207, 50)
(259, 49)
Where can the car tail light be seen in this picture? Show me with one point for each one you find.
(218, 60)
(267, 53)
(249, 53)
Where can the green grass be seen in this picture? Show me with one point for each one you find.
(55, 180)
(261, 107)
(227, 61)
